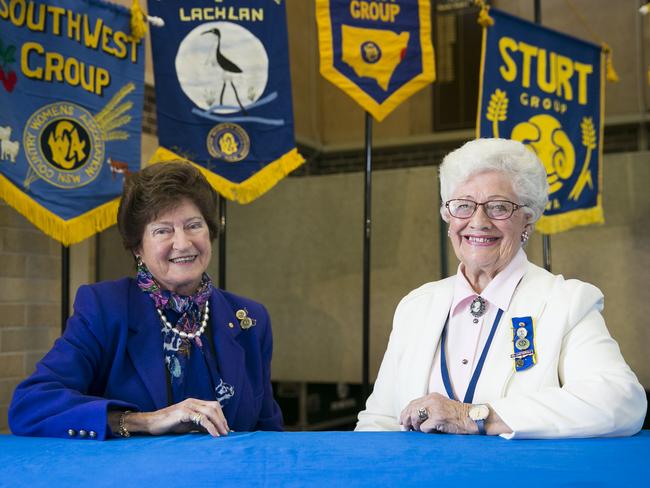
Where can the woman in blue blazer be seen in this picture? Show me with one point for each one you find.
(165, 352)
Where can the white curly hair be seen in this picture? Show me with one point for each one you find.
(512, 158)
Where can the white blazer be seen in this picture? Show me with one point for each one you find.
(579, 387)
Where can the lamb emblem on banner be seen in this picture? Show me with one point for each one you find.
(8, 148)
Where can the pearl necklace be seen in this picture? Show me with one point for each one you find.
(186, 335)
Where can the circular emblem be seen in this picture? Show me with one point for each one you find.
(229, 142)
(522, 333)
(370, 52)
(240, 314)
(519, 362)
(64, 145)
(522, 344)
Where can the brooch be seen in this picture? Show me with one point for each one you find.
(477, 308)
(523, 343)
(245, 322)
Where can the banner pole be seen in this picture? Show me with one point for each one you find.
(546, 239)
(65, 285)
(367, 226)
(222, 242)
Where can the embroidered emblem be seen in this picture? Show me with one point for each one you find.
(229, 142)
(63, 145)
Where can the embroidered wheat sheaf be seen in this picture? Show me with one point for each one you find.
(497, 110)
(112, 115)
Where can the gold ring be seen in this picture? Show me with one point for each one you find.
(196, 419)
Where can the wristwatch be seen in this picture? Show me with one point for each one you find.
(478, 413)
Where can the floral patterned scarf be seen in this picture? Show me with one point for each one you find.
(177, 349)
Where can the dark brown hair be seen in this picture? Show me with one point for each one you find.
(157, 189)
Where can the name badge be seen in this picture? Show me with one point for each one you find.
(523, 343)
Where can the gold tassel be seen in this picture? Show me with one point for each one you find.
(612, 75)
(484, 18)
(138, 21)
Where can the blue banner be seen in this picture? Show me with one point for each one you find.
(70, 112)
(223, 92)
(378, 52)
(546, 89)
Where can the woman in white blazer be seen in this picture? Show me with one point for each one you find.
(503, 347)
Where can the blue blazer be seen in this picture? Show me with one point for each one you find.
(111, 357)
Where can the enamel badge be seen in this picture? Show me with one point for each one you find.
(245, 322)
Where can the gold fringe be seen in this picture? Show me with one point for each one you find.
(138, 21)
(484, 18)
(612, 75)
(248, 190)
(555, 224)
(67, 232)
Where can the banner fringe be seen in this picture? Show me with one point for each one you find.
(248, 190)
(555, 224)
(67, 232)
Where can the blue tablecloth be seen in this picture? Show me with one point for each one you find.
(323, 459)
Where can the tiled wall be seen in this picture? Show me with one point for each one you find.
(30, 295)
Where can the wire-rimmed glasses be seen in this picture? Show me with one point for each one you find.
(462, 208)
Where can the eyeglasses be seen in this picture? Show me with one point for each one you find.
(494, 209)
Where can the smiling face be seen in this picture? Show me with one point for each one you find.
(176, 248)
(482, 245)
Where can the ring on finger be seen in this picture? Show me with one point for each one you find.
(196, 419)
(423, 414)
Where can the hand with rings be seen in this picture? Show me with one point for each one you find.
(186, 416)
(436, 413)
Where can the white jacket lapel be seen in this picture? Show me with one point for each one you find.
(428, 321)
(529, 300)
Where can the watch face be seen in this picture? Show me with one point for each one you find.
(479, 412)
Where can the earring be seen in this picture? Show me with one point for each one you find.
(448, 233)
(525, 236)
(138, 261)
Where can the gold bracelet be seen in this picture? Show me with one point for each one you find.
(123, 430)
